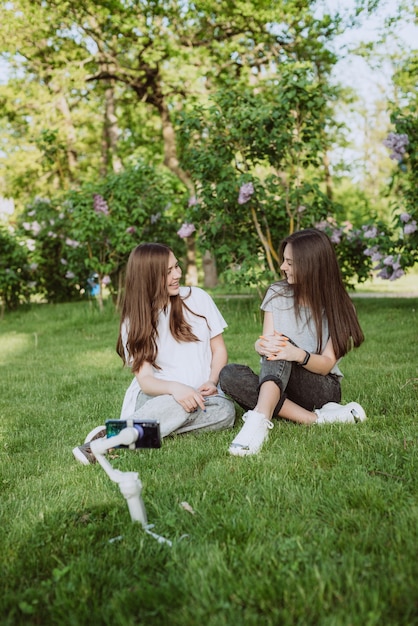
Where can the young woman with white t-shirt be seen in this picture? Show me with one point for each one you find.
(310, 323)
(171, 338)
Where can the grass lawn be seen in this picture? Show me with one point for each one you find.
(321, 528)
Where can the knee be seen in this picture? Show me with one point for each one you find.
(225, 413)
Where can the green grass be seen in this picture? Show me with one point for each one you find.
(320, 528)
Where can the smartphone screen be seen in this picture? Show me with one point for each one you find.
(148, 432)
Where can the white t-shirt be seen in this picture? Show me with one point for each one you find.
(280, 302)
(184, 362)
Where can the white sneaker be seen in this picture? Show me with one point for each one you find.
(83, 454)
(350, 413)
(93, 433)
(252, 435)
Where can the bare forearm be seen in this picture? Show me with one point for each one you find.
(155, 386)
(219, 360)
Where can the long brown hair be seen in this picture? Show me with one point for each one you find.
(144, 297)
(318, 285)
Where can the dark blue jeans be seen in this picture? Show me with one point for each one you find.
(308, 390)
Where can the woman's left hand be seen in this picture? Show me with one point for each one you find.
(208, 388)
(277, 347)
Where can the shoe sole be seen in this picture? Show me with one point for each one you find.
(80, 457)
(238, 450)
(357, 412)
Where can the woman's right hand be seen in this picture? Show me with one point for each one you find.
(271, 345)
(189, 398)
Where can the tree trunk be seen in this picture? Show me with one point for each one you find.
(110, 135)
(209, 270)
(64, 109)
(328, 177)
(191, 269)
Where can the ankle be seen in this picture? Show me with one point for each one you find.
(263, 412)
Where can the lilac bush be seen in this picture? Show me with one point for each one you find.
(16, 272)
(91, 231)
(376, 248)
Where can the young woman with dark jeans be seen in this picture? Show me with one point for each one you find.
(310, 323)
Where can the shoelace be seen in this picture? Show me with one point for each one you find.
(268, 423)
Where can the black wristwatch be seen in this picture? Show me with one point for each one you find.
(306, 359)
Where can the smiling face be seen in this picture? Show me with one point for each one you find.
(173, 275)
(287, 266)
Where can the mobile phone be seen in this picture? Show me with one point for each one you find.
(148, 432)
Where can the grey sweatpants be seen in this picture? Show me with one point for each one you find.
(174, 420)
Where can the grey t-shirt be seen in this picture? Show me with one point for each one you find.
(280, 302)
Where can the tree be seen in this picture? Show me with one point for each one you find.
(15, 272)
(268, 143)
(119, 71)
(91, 231)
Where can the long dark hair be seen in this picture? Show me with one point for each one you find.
(145, 295)
(318, 285)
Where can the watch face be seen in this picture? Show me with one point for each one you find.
(306, 359)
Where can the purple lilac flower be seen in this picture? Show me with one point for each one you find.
(410, 228)
(131, 230)
(396, 142)
(245, 193)
(33, 267)
(186, 230)
(336, 236)
(63, 261)
(391, 269)
(106, 280)
(322, 225)
(69, 275)
(72, 243)
(405, 217)
(192, 201)
(396, 265)
(369, 251)
(100, 204)
(397, 274)
(329, 222)
(374, 253)
(155, 218)
(384, 273)
(369, 232)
